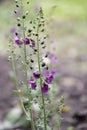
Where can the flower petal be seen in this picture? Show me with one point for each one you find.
(26, 41)
(18, 41)
(45, 88)
(36, 75)
(49, 79)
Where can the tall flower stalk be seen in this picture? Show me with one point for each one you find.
(39, 67)
(26, 74)
(37, 77)
(13, 66)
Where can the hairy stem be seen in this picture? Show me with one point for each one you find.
(43, 102)
(26, 76)
(16, 82)
(28, 91)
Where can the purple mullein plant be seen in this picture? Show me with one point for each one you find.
(49, 79)
(36, 75)
(29, 44)
(53, 58)
(27, 41)
(45, 88)
(33, 84)
(18, 41)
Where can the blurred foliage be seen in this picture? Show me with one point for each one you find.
(19, 119)
(63, 17)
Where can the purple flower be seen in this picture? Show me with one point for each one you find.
(53, 58)
(26, 41)
(49, 79)
(36, 75)
(32, 42)
(33, 84)
(18, 41)
(13, 30)
(45, 88)
(45, 73)
(54, 72)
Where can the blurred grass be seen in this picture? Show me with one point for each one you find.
(66, 20)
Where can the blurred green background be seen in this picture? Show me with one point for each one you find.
(66, 23)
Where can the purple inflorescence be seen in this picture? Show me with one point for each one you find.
(32, 42)
(54, 72)
(53, 58)
(18, 41)
(32, 83)
(26, 41)
(49, 79)
(45, 88)
(36, 75)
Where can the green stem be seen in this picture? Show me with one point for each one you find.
(43, 102)
(16, 82)
(26, 76)
(28, 91)
(59, 122)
